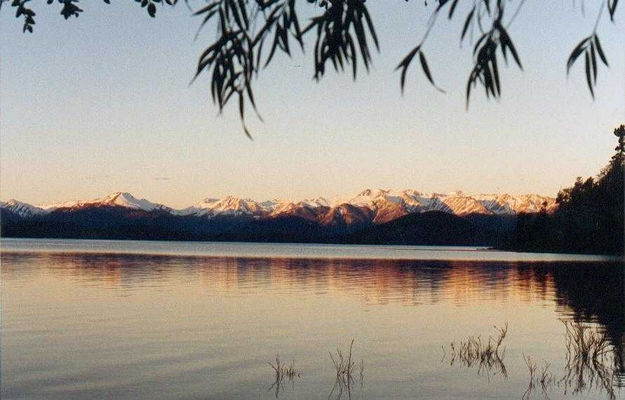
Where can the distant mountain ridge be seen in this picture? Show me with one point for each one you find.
(385, 204)
(370, 216)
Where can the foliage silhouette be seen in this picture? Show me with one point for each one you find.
(344, 34)
(589, 218)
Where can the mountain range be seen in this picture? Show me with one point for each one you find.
(371, 216)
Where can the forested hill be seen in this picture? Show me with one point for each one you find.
(589, 216)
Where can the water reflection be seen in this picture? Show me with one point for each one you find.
(590, 361)
(596, 295)
(383, 281)
(591, 294)
(574, 287)
(590, 366)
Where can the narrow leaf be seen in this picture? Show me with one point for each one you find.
(600, 51)
(466, 23)
(575, 53)
(589, 76)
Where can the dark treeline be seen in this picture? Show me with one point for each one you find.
(589, 218)
(119, 223)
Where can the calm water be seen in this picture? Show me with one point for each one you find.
(107, 319)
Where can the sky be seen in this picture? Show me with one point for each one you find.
(103, 103)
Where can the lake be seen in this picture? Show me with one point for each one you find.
(189, 320)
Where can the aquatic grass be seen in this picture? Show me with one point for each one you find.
(546, 378)
(361, 372)
(584, 344)
(590, 360)
(590, 364)
(532, 368)
(488, 355)
(344, 365)
(283, 372)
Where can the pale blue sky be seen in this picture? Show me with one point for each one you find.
(102, 103)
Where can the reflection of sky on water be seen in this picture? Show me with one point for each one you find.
(95, 323)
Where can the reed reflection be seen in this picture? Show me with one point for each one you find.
(596, 295)
(591, 366)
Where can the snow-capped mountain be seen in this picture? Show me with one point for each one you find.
(371, 216)
(22, 209)
(375, 206)
(389, 205)
(120, 199)
(508, 204)
(229, 206)
(309, 208)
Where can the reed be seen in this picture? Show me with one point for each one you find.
(361, 371)
(546, 378)
(590, 365)
(344, 364)
(487, 354)
(590, 360)
(531, 367)
(283, 371)
(345, 367)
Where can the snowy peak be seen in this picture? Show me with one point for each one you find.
(465, 205)
(368, 197)
(229, 206)
(506, 204)
(316, 202)
(458, 202)
(20, 208)
(287, 207)
(234, 206)
(119, 199)
(127, 200)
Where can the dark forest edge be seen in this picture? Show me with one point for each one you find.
(589, 217)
